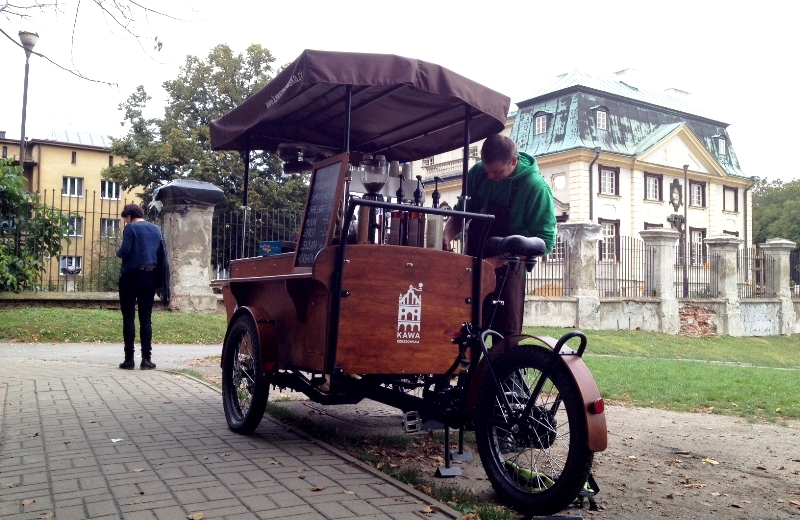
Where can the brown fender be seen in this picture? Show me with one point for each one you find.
(267, 340)
(595, 423)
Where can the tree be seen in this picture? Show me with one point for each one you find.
(776, 211)
(29, 231)
(177, 145)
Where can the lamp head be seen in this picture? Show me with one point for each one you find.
(28, 40)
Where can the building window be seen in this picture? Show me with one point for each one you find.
(653, 186)
(74, 157)
(696, 237)
(109, 190)
(70, 265)
(602, 120)
(428, 161)
(730, 199)
(109, 227)
(5, 152)
(540, 124)
(722, 146)
(75, 227)
(558, 253)
(609, 181)
(697, 194)
(609, 246)
(72, 187)
(110, 161)
(473, 151)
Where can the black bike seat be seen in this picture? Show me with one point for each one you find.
(514, 245)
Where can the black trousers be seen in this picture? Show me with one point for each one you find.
(137, 288)
(507, 318)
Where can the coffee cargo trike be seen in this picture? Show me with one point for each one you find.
(365, 308)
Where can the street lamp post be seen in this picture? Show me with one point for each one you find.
(28, 40)
(687, 253)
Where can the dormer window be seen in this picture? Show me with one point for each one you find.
(540, 124)
(722, 146)
(602, 120)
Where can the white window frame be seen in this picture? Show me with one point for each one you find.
(608, 252)
(696, 237)
(558, 254)
(75, 227)
(602, 120)
(110, 223)
(696, 195)
(428, 161)
(651, 190)
(109, 188)
(607, 178)
(732, 192)
(473, 151)
(722, 146)
(72, 187)
(540, 124)
(69, 261)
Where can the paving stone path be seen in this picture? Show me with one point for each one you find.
(86, 441)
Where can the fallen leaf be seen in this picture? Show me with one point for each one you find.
(33, 434)
(317, 488)
(429, 510)
(138, 470)
(715, 494)
(675, 494)
(709, 460)
(470, 516)
(762, 468)
(92, 422)
(11, 485)
(346, 492)
(195, 516)
(794, 503)
(28, 501)
(46, 514)
(115, 440)
(301, 477)
(737, 506)
(380, 465)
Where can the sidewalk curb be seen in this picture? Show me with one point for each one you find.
(444, 509)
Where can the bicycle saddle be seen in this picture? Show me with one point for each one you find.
(514, 245)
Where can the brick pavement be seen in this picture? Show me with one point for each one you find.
(176, 457)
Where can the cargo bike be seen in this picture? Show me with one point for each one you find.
(401, 325)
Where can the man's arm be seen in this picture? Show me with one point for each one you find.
(127, 243)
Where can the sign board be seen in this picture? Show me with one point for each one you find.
(324, 198)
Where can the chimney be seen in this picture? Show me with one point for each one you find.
(676, 92)
(2, 134)
(630, 77)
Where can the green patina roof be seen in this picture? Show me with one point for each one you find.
(637, 120)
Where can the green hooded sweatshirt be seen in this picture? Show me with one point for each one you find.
(532, 213)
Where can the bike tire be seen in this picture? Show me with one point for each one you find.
(244, 392)
(540, 469)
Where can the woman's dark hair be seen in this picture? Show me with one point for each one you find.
(133, 211)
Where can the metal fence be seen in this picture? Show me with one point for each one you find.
(623, 272)
(695, 277)
(550, 275)
(755, 273)
(239, 234)
(794, 273)
(87, 260)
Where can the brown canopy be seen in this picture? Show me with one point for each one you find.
(403, 108)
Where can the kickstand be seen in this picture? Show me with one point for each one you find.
(461, 455)
(447, 470)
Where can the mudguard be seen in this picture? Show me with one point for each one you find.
(267, 340)
(595, 423)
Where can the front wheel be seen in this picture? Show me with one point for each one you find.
(538, 463)
(244, 393)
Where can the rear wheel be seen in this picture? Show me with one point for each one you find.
(537, 463)
(244, 393)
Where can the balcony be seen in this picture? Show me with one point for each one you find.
(447, 168)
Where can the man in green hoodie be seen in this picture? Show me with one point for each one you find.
(507, 184)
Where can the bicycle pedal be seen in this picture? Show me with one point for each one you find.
(412, 423)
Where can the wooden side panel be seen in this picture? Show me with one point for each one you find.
(404, 304)
(263, 266)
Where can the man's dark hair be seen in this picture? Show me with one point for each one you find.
(133, 211)
(498, 148)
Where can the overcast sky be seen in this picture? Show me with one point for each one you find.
(737, 60)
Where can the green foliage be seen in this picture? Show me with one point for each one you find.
(776, 211)
(29, 231)
(177, 145)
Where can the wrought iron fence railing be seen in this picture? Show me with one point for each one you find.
(697, 275)
(551, 274)
(794, 273)
(755, 273)
(622, 271)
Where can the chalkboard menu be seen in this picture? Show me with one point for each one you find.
(324, 197)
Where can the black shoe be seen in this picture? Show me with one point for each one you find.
(147, 364)
(128, 364)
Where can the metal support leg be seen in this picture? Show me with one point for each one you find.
(447, 470)
(461, 455)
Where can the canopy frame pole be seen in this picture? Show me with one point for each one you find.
(464, 170)
(348, 103)
(246, 157)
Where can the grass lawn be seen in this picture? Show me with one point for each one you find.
(753, 377)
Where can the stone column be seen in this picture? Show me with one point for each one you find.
(188, 217)
(581, 239)
(722, 255)
(660, 275)
(780, 249)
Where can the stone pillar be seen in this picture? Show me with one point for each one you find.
(581, 239)
(660, 275)
(722, 255)
(780, 249)
(188, 208)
